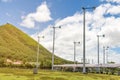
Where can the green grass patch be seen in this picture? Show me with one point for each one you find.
(11, 77)
(27, 74)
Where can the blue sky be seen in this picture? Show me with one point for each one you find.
(12, 10)
(29, 15)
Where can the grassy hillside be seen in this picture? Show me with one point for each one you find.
(16, 45)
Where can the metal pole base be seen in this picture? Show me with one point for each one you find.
(35, 71)
(84, 72)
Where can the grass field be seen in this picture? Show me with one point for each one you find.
(27, 74)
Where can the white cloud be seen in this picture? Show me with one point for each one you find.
(114, 10)
(114, 1)
(42, 14)
(72, 30)
(71, 19)
(117, 1)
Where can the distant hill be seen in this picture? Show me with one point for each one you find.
(15, 45)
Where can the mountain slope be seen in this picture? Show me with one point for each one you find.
(16, 45)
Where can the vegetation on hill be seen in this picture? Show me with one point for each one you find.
(15, 45)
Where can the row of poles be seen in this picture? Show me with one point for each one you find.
(105, 53)
(84, 42)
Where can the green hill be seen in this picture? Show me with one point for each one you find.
(15, 45)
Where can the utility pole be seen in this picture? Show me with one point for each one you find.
(84, 53)
(53, 45)
(37, 57)
(75, 53)
(103, 54)
(107, 48)
(98, 51)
